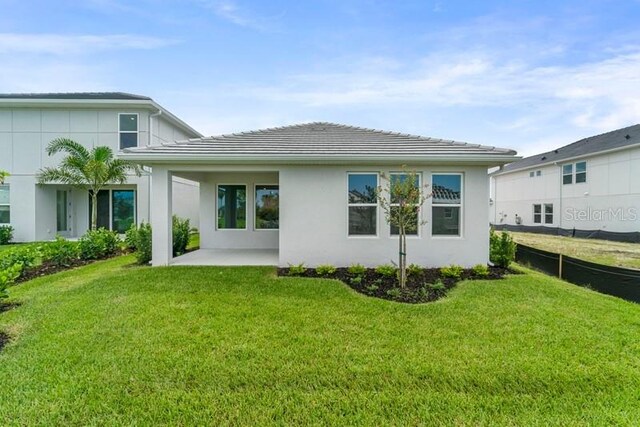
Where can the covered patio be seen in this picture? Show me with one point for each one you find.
(228, 257)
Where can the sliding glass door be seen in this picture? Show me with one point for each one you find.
(116, 209)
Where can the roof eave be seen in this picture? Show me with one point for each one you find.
(153, 158)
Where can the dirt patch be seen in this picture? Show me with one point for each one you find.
(424, 286)
(4, 340)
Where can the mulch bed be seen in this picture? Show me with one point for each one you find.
(4, 340)
(6, 306)
(426, 286)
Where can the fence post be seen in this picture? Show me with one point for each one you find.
(560, 266)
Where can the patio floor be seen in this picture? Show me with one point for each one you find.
(228, 257)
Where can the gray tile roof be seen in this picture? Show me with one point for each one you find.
(76, 95)
(591, 145)
(318, 140)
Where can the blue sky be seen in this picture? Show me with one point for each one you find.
(530, 75)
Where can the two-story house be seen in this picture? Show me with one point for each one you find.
(589, 188)
(28, 122)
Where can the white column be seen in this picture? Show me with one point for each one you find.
(160, 211)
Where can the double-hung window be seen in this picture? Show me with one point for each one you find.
(567, 174)
(232, 207)
(362, 200)
(581, 172)
(267, 207)
(537, 214)
(548, 213)
(446, 204)
(128, 130)
(5, 204)
(401, 178)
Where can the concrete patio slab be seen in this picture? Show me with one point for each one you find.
(228, 257)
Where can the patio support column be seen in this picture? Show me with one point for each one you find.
(161, 210)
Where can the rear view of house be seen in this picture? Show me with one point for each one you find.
(28, 122)
(589, 188)
(307, 194)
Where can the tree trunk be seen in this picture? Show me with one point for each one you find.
(402, 261)
(94, 210)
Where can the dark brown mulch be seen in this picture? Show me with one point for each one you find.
(6, 306)
(429, 285)
(4, 340)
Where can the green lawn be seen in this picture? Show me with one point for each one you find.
(605, 252)
(110, 344)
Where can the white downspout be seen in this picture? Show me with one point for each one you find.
(150, 140)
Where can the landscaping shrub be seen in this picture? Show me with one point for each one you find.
(60, 252)
(452, 271)
(143, 244)
(480, 270)
(502, 248)
(436, 286)
(181, 232)
(325, 270)
(8, 276)
(297, 270)
(414, 269)
(356, 270)
(131, 236)
(100, 243)
(394, 292)
(24, 255)
(6, 234)
(386, 270)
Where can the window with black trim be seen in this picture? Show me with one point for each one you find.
(128, 130)
(362, 200)
(446, 201)
(267, 207)
(232, 207)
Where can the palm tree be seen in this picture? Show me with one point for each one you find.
(3, 176)
(86, 170)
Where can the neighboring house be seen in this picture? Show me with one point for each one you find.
(309, 192)
(588, 188)
(28, 122)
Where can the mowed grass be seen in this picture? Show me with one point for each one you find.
(600, 251)
(111, 344)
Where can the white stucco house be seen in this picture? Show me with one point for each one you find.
(304, 194)
(590, 188)
(28, 122)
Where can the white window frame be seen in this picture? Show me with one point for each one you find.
(376, 205)
(418, 230)
(540, 214)
(544, 212)
(137, 132)
(461, 216)
(575, 172)
(567, 174)
(538, 172)
(8, 186)
(246, 207)
(255, 211)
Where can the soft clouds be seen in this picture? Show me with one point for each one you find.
(63, 44)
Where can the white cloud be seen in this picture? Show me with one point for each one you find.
(232, 12)
(63, 44)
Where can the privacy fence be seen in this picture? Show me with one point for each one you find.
(620, 282)
(631, 237)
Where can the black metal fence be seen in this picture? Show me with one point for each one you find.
(617, 281)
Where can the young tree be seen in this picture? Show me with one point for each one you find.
(3, 176)
(401, 200)
(86, 169)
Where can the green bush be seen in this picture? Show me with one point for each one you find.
(356, 280)
(181, 232)
(6, 234)
(143, 244)
(60, 252)
(356, 270)
(437, 286)
(452, 271)
(502, 249)
(394, 292)
(325, 270)
(100, 243)
(480, 270)
(8, 276)
(414, 270)
(131, 236)
(387, 270)
(27, 256)
(297, 270)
